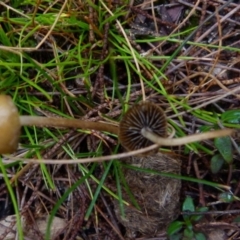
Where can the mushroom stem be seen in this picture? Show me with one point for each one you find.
(132, 131)
(187, 139)
(67, 123)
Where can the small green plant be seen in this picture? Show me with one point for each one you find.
(224, 154)
(184, 229)
(223, 144)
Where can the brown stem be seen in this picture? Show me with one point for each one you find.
(100, 126)
(67, 123)
(185, 140)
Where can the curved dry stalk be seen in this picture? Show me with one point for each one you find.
(187, 139)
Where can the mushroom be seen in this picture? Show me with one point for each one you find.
(9, 125)
(143, 124)
(145, 115)
(11, 122)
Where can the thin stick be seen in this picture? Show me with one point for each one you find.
(53, 25)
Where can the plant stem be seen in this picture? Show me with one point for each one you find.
(187, 139)
(100, 126)
(67, 123)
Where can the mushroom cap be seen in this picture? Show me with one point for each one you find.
(142, 115)
(9, 125)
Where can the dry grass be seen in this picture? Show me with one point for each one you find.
(94, 59)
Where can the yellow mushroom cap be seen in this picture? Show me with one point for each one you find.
(9, 125)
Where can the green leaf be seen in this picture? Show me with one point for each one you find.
(216, 163)
(174, 227)
(202, 209)
(188, 233)
(196, 218)
(224, 146)
(205, 128)
(188, 221)
(200, 236)
(226, 197)
(231, 116)
(188, 205)
(176, 237)
(236, 219)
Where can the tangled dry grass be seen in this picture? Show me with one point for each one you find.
(90, 60)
